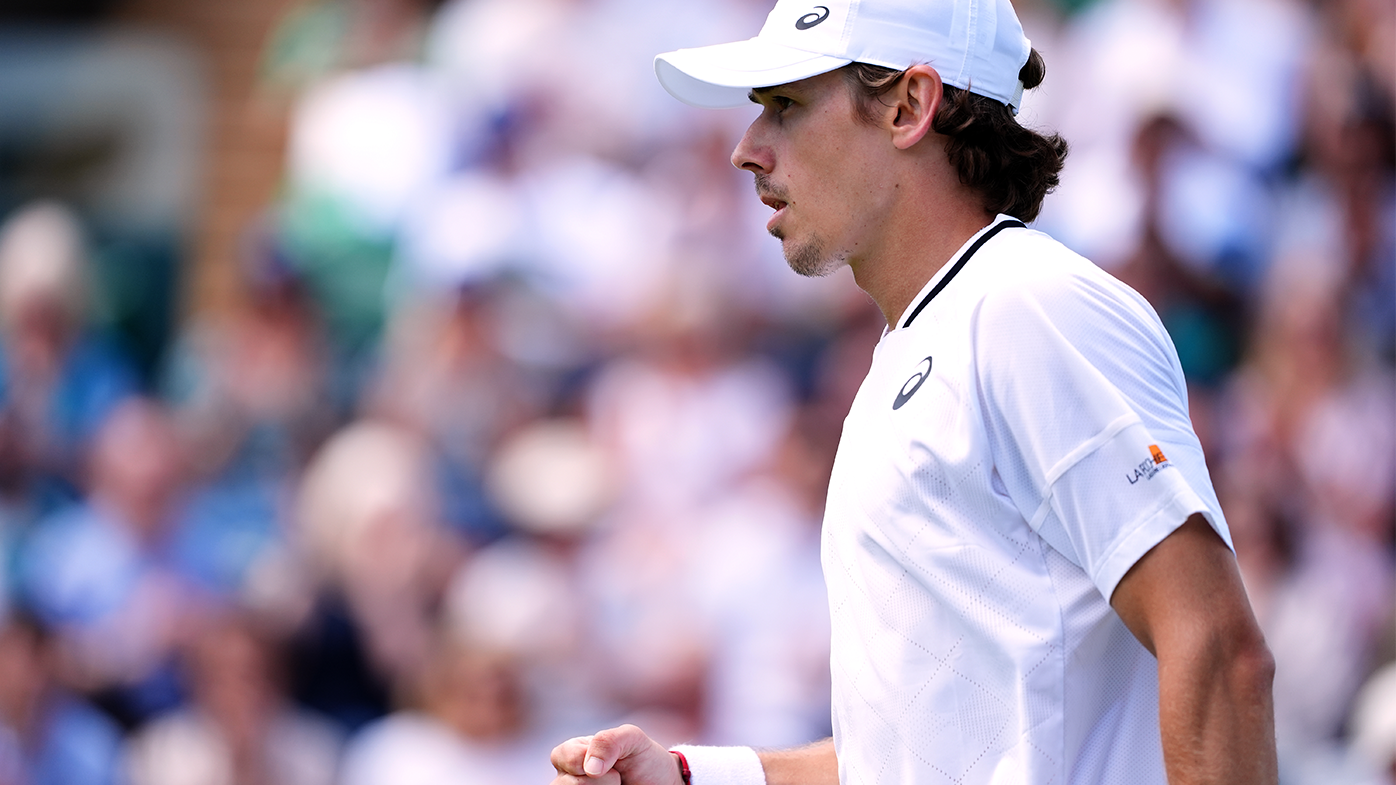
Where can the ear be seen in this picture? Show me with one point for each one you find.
(915, 100)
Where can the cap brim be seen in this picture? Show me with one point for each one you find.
(720, 76)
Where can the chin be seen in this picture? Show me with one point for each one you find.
(809, 258)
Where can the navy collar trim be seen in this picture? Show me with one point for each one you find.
(965, 257)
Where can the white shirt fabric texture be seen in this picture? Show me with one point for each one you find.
(1021, 440)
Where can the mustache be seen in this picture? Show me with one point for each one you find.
(765, 188)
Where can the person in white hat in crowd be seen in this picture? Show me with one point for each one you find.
(1374, 723)
(1030, 577)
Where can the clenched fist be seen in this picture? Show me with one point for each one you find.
(619, 756)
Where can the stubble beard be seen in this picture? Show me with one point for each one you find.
(809, 258)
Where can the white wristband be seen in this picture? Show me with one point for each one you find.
(723, 765)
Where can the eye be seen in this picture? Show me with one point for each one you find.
(772, 102)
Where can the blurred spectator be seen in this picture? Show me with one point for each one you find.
(552, 479)
(1338, 215)
(254, 397)
(719, 630)
(444, 376)
(1374, 722)
(691, 411)
(48, 736)
(58, 380)
(524, 596)
(469, 727)
(370, 131)
(367, 517)
(252, 389)
(592, 236)
(98, 571)
(239, 728)
(760, 590)
(1315, 489)
(1201, 312)
(521, 599)
(342, 212)
(1229, 70)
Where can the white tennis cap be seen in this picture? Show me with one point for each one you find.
(976, 45)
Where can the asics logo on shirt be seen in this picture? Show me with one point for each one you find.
(813, 18)
(913, 384)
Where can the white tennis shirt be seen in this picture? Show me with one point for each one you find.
(1020, 441)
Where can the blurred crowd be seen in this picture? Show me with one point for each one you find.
(521, 426)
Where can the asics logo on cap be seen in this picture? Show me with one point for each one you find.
(812, 18)
(977, 45)
(913, 384)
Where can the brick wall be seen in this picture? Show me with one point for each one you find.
(247, 130)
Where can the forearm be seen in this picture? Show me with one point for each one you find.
(814, 764)
(1216, 715)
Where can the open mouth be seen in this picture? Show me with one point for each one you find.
(779, 206)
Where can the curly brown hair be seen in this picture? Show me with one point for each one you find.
(1012, 167)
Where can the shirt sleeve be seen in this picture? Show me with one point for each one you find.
(1086, 414)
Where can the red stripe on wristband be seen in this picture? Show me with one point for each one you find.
(684, 773)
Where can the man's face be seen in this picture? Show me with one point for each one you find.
(821, 169)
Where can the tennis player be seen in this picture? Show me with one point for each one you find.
(1030, 578)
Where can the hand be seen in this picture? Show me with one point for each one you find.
(619, 756)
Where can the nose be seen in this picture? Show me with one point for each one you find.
(751, 153)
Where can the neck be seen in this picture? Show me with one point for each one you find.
(921, 245)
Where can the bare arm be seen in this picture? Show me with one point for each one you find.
(1184, 601)
(814, 764)
(626, 756)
